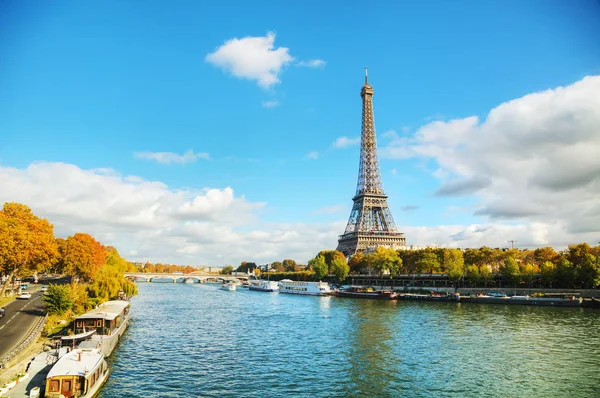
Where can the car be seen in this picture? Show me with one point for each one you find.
(43, 288)
(24, 296)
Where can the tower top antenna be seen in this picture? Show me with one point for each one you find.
(366, 75)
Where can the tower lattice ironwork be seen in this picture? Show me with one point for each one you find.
(371, 223)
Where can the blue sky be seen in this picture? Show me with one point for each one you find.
(91, 84)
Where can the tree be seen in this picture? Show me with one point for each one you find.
(453, 262)
(246, 267)
(227, 270)
(385, 260)
(290, 266)
(473, 274)
(428, 262)
(340, 268)
(510, 270)
(330, 256)
(357, 263)
(277, 266)
(318, 266)
(528, 272)
(27, 242)
(548, 272)
(58, 299)
(83, 256)
(545, 254)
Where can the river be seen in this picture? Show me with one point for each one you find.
(189, 340)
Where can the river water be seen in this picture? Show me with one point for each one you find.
(190, 340)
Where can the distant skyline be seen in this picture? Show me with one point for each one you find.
(209, 134)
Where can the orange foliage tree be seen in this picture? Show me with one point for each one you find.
(82, 256)
(26, 241)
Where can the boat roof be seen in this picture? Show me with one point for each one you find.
(72, 364)
(109, 310)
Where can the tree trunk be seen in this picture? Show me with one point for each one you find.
(10, 277)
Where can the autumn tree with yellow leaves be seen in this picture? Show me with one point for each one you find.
(27, 242)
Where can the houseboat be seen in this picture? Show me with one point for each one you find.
(263, 286)
(358, 292)
(109, 320)
(79, 373)
(306, 288)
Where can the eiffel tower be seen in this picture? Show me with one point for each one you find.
(371, 223)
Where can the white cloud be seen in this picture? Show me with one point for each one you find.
(254, 58)
(148, 219)
(534, 160)
(313, 63)
(269, 104)
(312, 155)
(343, 142)
(171, 157)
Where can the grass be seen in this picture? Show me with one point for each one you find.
(6, 300)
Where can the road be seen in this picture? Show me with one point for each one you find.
(19, 319)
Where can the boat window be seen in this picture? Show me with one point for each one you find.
(99, 323)
(66, 387)
(93, 380)
(54, 385)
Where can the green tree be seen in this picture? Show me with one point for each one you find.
(290, 266)
(27, 242)
(330, 256)
(565, 273)
(473, 274)
(58, 299)
(529, 272)
(357, 263)
(548, 272)
(510, 270)
(277, 266)
(319, 267)
(453, 263)
(340, 268)
(385, 260)
(427, 262)
(246, 267)
(227, 270)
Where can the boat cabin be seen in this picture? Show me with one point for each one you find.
(104, 319)
(80, 373)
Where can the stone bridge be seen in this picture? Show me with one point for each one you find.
(183, 278)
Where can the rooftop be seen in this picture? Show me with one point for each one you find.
(76, 362)
(109, 310)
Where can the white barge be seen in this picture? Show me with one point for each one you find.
(79, 373)
(306, 288)
(263, 286)
(109, 320)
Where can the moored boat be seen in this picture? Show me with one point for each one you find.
(304, 288)
(356, 292)
(109, 320)
(263, 286)
(79, 373)
(430, 297)
(230, 287)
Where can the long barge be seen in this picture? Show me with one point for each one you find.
(109, 320)
(361, 293)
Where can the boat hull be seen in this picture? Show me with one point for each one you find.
(368, 295)
(263, 289)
